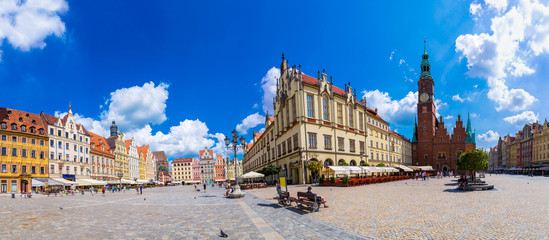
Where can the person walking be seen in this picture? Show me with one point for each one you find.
(103, 190)
(137, 189)
(423, 175)
(195, 188)
(204, 187)
(140, 189)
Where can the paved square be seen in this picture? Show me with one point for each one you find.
(517, 209)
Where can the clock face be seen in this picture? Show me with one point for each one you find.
(424, 97)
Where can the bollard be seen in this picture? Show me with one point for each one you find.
(82, 192)
(13, 195)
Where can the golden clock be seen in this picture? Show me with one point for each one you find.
(424, 97)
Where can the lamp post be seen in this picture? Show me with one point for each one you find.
(234, 146)
(120, 175)
(361, 166)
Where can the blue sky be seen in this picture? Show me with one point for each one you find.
(180, 75)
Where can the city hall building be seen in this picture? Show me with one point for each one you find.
(432, 144)
(317, 121)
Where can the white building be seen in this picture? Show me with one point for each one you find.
(131, 150)
(69, 147)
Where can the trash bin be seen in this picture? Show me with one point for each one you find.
(13, 195)
(82, 192)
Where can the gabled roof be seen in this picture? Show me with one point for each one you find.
(314, 81)
(20, 118)
(128, 142)
(51, 120)
(95, 143)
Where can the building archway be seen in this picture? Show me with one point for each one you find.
(24, 186)
(341, 162)
(362, 163)
(328, 162)
(352, 163)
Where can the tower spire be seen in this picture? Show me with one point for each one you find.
(70, 108)
(425, 65)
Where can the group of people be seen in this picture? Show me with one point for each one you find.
(422, 175)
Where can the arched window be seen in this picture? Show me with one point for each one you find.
(351, 122)
(325, 109)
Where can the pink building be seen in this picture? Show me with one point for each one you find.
(196, 170)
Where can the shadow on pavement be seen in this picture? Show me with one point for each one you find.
(289, 208)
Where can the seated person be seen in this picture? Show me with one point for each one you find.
(229, 188)
(319, 199)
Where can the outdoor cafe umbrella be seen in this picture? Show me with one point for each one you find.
(252, 174)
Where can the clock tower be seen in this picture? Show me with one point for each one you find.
(425, 111)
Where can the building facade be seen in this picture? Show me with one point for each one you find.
(541, 145)
(207, 170)
(142, 162)
(23, 145)
(196, 170)
(133, 159)
(149, 164)
(102, 160)
(162, 160)
(432, 145)
(219, 168)
(69, 148)
(118, 148)
(182, 169)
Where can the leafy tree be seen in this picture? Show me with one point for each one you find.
(342, 163)
(380, 165)
(314, 166)
(473, 160)
(364, 164)
(161, 168)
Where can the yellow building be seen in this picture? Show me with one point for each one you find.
(118, 148)
(400, 149)
(313, 121)
(182, 170)
(378, 135)
(142, 158)
(230, 169)
(23, 148)
(513, 152)
(541, 144)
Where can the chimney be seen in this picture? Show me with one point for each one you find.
(376, 110)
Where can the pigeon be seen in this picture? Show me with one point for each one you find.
(144, 199)
(223, 234)
(60, 208)
(194, 197)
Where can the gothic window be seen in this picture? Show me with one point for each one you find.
(339, 113)
(351, 122)
(325, 114)
(310, 106)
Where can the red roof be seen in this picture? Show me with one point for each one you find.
(96, 141)
(182, 160)
(128, 142)
(20, 118)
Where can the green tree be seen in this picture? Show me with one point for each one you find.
(380, 165)
(342, 163)
(314, 166)
(161, 168)
(473, 160)
(364, 164)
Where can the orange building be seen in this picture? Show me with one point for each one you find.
(219, 168)
(102, 159)
(23, 155)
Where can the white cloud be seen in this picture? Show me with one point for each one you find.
(448, 117)
(187, 138)
(256, 106)
(401, 61)
(26, 24)
(136, 107)
(250, 121)
(457, 98)
(522, 118)
(475, 86)
(489, 136)
(391, 56)
(518, 33)
(474, 115)
(392, 110)
(474, 8)
(268, 84)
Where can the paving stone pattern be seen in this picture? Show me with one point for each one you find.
(517, 209)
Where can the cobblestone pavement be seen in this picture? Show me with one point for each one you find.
(160, 213)
(517, 209)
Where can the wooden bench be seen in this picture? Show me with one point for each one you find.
(308, 199)
(284, 198)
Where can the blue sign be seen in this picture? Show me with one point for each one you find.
(71, 177)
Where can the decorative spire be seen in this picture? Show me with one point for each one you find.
(425, 65)
(470, 138)
(70, 108)
(414, 137)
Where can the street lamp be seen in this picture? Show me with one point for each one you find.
(120, 175)
(234, 146)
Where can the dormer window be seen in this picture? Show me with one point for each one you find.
(23, 128)
(32, 129)
(20, 119)
(41, 131)
(3, 125)
(13, 126)
(33, 121)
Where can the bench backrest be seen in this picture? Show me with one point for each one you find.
(284, 194)
(310, 196)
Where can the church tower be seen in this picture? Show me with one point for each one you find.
(426, 112)
(114, 129)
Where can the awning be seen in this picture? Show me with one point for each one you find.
(141, 181)
(65, 181)
(389, 169)
(339, 170)
(37, 183)
(404, 168)
(354, 169)
(252, 174)
(220, 180)
(422, 168)
(194, 181)
(52, 182)
(82, 183)
(372, 169)
(92, 182)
